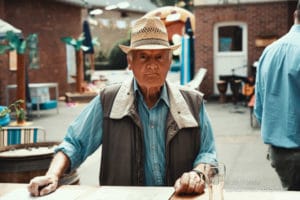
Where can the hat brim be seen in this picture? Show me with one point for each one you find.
(126, 49)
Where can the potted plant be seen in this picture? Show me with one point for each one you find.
(17, 108)
(20, 116)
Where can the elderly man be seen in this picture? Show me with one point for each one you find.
(152, 132)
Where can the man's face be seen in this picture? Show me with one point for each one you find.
(150, 67)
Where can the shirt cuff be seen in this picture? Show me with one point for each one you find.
(70, 151)
(207, 158)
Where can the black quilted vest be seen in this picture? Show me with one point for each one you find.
(123, 157)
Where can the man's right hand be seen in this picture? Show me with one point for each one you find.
(42, 185)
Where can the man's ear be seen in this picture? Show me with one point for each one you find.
(129, 61)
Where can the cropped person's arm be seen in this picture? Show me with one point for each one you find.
(42, 185)
(194, 180)
(259, 89)
(83, 137)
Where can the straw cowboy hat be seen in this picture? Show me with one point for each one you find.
(148, 33)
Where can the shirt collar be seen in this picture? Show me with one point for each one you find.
(179, 109)
(163, 94)
(295, 28)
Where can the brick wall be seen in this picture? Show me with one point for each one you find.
(51, 20)
(261, 18)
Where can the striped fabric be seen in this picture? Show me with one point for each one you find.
(20, 135)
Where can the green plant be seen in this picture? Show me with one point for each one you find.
(78, 43)
(20, 113)
(14, 42)
(4, 112)
(17, 108)
(117, 58)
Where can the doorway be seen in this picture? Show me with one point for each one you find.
(230, 50)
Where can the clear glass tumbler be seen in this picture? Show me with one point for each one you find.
(215, 181)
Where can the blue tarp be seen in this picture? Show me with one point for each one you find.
(185, 75)
(187, 55)
(87, 38)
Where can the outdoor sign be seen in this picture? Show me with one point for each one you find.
(13, 60)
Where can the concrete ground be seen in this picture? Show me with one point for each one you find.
(238, 145)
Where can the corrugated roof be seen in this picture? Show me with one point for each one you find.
(134, 5)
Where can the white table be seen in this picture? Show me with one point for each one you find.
(19, 191)
(35, 86)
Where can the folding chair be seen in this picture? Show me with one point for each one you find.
(197, 80)
(21, 135)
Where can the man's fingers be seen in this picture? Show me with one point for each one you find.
(181, 184)
(199, 184)
(35, 184)
(192, 183)
(189, 183)
(186, 184)
(48, 189)
(199, 187)
(33, 188)
(45, 182)
(177, 185)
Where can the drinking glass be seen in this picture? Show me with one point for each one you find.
(215, 181)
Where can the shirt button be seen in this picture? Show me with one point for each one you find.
(152, 126)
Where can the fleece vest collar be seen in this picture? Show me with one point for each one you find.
(178, 107)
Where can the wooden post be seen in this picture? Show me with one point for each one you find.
(79, 71)
(21, 94)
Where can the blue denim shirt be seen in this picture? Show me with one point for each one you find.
(85, 136)
(277, 91)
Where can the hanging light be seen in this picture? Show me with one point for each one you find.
(96, 12)
(121, 5)
(111, 7)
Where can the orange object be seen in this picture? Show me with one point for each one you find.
(248, 89)
(251, 102)
(174, 19)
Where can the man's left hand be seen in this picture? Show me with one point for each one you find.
(189, 183)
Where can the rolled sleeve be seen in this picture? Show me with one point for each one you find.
(84, 134)
(70, 151)
(207, 153)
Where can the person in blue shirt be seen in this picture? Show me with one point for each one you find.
(152, 133)
(277, 105)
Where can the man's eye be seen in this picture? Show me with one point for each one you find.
(159, 57)
(143, 57)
